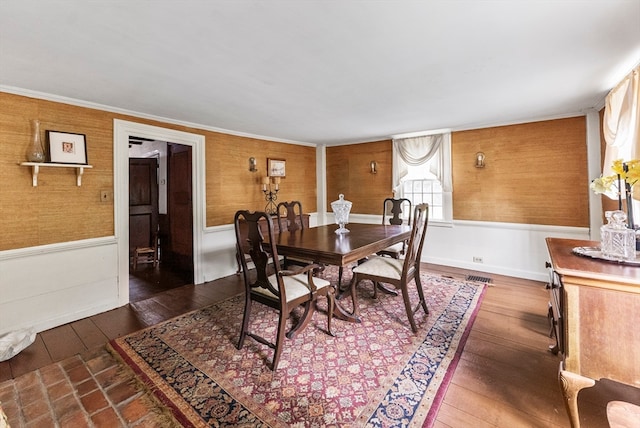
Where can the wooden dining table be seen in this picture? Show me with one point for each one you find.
(322, 245)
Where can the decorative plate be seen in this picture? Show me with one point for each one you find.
(595, 253)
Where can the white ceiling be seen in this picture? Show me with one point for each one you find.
(325, 72)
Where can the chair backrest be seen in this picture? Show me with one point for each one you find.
(416, 241)
(264, 255)
(392, 210)
(290, 216)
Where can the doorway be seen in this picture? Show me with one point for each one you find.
(160, 216)
(123, 131)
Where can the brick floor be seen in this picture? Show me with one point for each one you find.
(87, 390)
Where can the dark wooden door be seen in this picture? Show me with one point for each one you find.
(180, 208)
(143, 201)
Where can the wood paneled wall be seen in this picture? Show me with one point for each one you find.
(56, 210)
(59, 211)
(231, 186)
(348, 173)
(536, 173)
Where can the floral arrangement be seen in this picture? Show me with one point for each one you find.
(625, 175)
(624, 172)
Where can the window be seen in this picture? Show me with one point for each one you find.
(422, 173)
(422, 186)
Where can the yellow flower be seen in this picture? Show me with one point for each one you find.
(604, 184)
(609, 183)
(632, 176)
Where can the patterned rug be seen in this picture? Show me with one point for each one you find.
(373, 374)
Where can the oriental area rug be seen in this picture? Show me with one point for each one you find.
(376, 373)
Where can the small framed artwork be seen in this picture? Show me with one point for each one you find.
(275, 167)
(65, 147)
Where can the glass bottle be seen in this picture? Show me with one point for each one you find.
(341, 209)
(35, 153)
(618, 241)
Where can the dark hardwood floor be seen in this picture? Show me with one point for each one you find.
(147, 281)
(506, 376)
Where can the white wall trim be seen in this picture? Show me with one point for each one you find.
(56, 248)
(321, 183)
(122, 130)
(594, 170)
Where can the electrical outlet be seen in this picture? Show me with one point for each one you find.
(477, 259)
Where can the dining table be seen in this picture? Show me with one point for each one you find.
(324, 246)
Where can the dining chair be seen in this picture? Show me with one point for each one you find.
(289, 215)
(398, 272)
(244, 253)
(392, 211)
(270, 285)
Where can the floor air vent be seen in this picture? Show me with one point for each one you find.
(478, 278)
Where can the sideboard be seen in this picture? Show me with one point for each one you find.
(601, 321)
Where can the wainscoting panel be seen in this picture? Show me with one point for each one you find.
(517, 250)
(47, 286)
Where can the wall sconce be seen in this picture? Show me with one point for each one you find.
(479, 160)
(373, 167)
(252, 164)
(270, 187)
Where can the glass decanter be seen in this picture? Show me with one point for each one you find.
(617, 241)
(341, 209)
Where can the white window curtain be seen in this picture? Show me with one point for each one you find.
(621, 122)
(417, 151)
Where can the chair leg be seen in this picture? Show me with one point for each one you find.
(309, 309)
(245, 322)
(423, 301)
(282, 324)
(239, 262)
(408, 308)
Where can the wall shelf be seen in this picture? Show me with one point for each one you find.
(35, 169)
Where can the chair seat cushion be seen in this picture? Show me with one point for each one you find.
(295, 286)
(395, 248)
(381, 266)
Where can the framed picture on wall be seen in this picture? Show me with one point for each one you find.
(276, 167)
(66, 147)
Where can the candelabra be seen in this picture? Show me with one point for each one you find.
(270, 187)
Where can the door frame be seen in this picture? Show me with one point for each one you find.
(122, 130)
